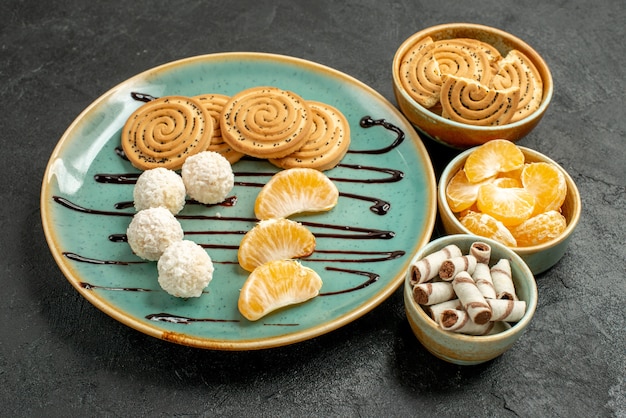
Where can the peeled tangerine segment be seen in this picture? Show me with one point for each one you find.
(274, 239)
(491, 158)
(277, 284)
(547, 183)
(511, 206)
(295, 190)
(487, 226)
(461, 194)
(539, 229)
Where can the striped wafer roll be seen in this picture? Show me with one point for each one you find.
(453, 266)
(456, 320)
(266, 122)
(165, 131)
(482, 252)
(473, 301)
(468, 101)
(506, 310)
(502, 278)
(435, 310)
(214, 104)
(326, 144)
(419, 73)
(484, 283)
(433, 293)
(428, 267)
(517, 70)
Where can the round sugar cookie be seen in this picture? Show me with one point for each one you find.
(419, 73)
(214, 104)
(265, 122)
(517, 70)
(164, 131)
(326, 144)
(468, 101)
(463, 57)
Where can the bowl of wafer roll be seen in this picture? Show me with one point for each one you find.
(464, 84)
(468, 299)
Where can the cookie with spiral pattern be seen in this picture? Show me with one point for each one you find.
(265, 122)
(327, 143)
(165, 131)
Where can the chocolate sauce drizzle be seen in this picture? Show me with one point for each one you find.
(320, 230)
(368, 122)
(185, 320)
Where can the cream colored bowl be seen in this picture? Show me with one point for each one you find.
(461, 135)
(468, 349)
(538, 257)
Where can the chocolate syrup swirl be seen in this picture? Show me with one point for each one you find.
(372, 278)
(90, 286)
(142, 97)
(185, 320)
(82, 259)
(368, 122)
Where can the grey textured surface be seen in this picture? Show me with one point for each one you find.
(60, 356)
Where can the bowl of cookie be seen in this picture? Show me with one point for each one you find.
(512, 194)
(462, 84)
(468, 299)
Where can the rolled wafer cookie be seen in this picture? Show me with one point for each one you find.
(326, 144)
(265, 122)
(428, 267)
(214, 104)
(517, 70)
(165, 131)
(468, 101)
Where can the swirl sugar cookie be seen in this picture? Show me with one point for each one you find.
(463, 57)
(427, 61)
(164, 131)
(326, 144)
(468, 101)
(419, 73)
(214, 104)
(265, 122)
(517, 70)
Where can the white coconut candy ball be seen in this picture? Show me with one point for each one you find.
(151, 231)
(159, 187)
(185, 269)
(208, 177)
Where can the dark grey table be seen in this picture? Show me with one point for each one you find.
(60, 356)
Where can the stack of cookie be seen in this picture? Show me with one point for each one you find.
(469, 81)
(262, 122)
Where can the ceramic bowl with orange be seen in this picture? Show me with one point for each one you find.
(539, 257)
(460, 348)
(461, 135)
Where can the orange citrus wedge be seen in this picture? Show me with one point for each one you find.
(511, 206)
(295, 190)
(491, 158)
(277, 284)
(547, 183)
(539, 229)
(274, 239)
(489, 227)
(507, 182)
(461, 194)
